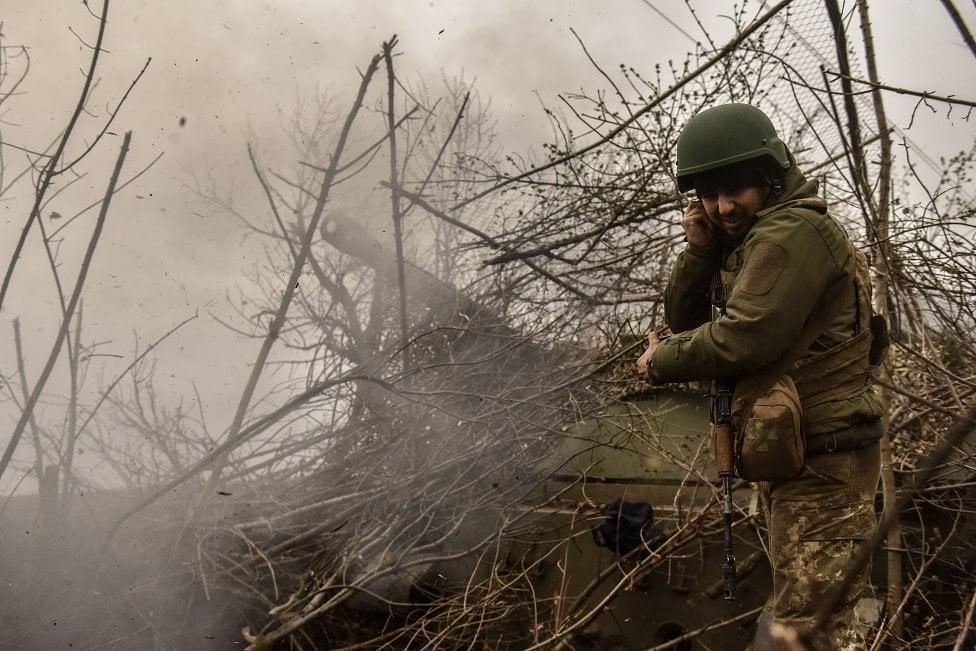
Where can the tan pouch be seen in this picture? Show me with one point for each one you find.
(769, 433)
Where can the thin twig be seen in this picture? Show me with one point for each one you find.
(396, 215)
(50, 170)
(960, 24)
(72, 304)
(946, 99)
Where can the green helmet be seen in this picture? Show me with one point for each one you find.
(725, 135)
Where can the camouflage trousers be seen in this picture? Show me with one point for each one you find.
(817, 523)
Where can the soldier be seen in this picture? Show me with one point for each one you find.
(758, 223)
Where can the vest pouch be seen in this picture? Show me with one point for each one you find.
(770, 444)
(880, 340)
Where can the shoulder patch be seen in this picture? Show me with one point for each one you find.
(763, 268)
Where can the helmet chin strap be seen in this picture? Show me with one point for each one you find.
(775, 185)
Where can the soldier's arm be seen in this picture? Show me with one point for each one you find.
(786, 267)
(686, 301)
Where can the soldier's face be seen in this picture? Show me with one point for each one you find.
(734, 210)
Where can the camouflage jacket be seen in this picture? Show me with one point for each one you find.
(774, 278)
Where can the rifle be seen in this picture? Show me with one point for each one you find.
(724, 446)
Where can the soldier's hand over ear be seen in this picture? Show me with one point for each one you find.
(697, 226)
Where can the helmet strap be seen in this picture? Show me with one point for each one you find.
(775, 184)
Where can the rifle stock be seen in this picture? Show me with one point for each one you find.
(725, 458)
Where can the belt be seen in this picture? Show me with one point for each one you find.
(852, 438)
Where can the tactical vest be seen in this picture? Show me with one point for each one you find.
(843, 371)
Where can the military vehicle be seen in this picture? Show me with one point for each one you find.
(653, 450)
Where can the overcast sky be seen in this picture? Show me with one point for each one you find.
(221, 69)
